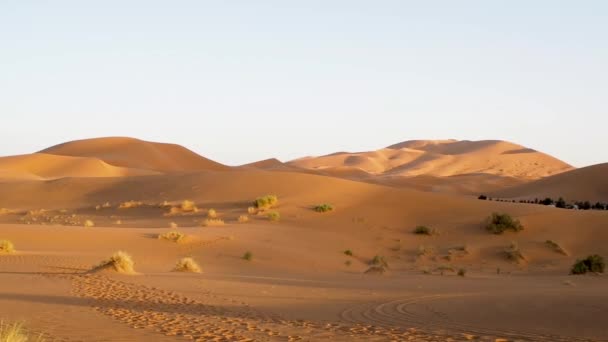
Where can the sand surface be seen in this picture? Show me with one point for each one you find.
(299, 284)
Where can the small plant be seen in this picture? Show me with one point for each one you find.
(130, 204)
(120, 262)
(498, 223)
(188, 206)
(513, 253)
(323, 208)
(274, 216)
(593, 263)
(379, 260)
(211, 213)
(423, 230)
(187, 265)
(6, 247)
(173, 236)
(89, 223)
(266, 202)
(252, 210)
(248, 256)
(555, 247)
(210, 222)
(348, 252)
(462, 272)
(243, 219)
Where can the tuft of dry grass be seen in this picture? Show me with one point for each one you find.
(16, 333)
(6, 247)
(188, 206)
(89, 223)
(243, 219)
(187, 265)
(274, 216)
(173, 236)
(212, 222)
(556, 247)
(119, 261)
(513, 253)
(252, 210)
(211, 213)
(130, 204)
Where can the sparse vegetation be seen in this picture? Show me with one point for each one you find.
(348, 252)
(210, 222)
(89, 223)
(323, 208)
(243, 219)
(248, 256)
(274, 216)
(593, 263)
(16, 333)
(266, 202)
(424, 230)
(252, 210)
(119, 262)
(187, 265)
(6, 247)
(173, 236)
(188, 206)
(499, 223)
(482, 197)
(513, 253)
(379, 260)
(130, 204)
(211, 213)
(556, 247)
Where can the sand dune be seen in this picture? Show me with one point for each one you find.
(138, 154)
(588, 183)
(444, 158)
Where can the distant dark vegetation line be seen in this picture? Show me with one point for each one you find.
(560, 203)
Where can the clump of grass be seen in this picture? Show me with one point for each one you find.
(323, 208)
(379, 260)
(119, 261)
(213, 222)
(499, 223)
(424, 230)
(252, 210)
(130, 204)
(274, 216)
(6, 247)
(211, 213)
(462, 272)
(556, 247)
(348, 252)
(266, 202)
(187, 265)
(243, 219)
(593, 263)
(513, 253)
(188, 206)
(16, 333)
(173, 236)
(89, 223)
(248, 256)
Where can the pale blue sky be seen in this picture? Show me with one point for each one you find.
(239, 81)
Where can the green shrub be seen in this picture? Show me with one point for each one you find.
(323, 208)
(498, 223)
(593, 263)
(266, 202)
(248, 256)
(274, 216)
(423, 230)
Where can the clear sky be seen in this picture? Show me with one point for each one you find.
(239, 81)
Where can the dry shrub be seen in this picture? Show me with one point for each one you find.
(252, 210)
(130, 204)
(187, 265)
(266, 202)
(211, 213)
(274, 216)
(243, 219)
(513, 253)
(6, 247)
(212, 222)
(119, 261)
(556, 247)
(173, 236)
(188, 206)
(89, 223)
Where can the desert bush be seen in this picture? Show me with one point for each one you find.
(379, 260)
(173, 236)
(266, 202)
(210, 222)
(323, 208)
(211, 213)
(89, 223)
(462, 272)
(274, 216)
(482, 197)
(423, 230)
(248, 256)
(498, 223)
(130, 204)
(6, 247)
(555, 247)
(593, 263)
(348, 252)
(243, 219)
(188, 206)
(187, 265)
(119, 261)
(513, 253)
